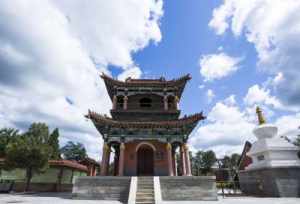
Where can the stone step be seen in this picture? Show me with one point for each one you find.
(145, 186)
(145, 191)
(144, 200)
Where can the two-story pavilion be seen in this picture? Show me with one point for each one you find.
(144, 129)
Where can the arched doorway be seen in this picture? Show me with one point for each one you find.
(145, 161)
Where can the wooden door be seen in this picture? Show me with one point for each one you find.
(145, 162)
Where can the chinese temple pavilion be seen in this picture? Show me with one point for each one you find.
(144, 130)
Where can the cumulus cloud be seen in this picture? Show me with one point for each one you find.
(217, 66)
(227, 129)
(257, 95)
(273, 26)
(51, 54)
(229, 126)
(133, 72)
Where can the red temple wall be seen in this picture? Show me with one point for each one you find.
(160, 158)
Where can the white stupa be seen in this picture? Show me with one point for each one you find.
(270, 150)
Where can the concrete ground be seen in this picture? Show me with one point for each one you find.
(65, 198)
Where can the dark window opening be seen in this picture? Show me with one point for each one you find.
(145, 103)
(120, 102)
(171, 102)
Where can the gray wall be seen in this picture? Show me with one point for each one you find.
(102, 188)
(275, 182)
(188, 188)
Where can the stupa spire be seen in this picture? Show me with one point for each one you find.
(260, 116)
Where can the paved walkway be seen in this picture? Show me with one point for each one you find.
(65, 198)
(242, 200)
(47, 198)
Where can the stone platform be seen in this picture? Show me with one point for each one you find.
(271, 182)
(102, 188)
(188, 188)
(165, 188)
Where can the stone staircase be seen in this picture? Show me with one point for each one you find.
(145, 190)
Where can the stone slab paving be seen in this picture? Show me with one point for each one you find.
(65, 198)
(47, 198)
(241, 200)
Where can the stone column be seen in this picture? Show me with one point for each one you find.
(125, 102)
(114, 102)
(165, 103)
(105, 159)
(121, 159)
(169, 156)
(187, 160)
(182, 160)
(174, 162)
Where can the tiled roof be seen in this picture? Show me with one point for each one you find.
(154, 83)
(104, 120)
(68, 163)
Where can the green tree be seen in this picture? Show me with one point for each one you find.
(203, 161)
(208, 160)
(7, 135)
(73, 151)
(30, 151)
(54, 143)
(297, 143)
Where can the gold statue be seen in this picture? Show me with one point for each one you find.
(260, 116)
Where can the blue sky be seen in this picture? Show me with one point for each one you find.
(240, 54)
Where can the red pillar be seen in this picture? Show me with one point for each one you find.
(116, 162)
(169, 155)
(125, 103)
(121, 159)
(187, 160)
(176, 102)
(182, 160)
(165, 103)
(105, 159)
(114, 102)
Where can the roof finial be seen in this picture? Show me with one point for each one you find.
(260, 116)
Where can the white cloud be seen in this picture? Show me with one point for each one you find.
(257, 95)
(227, 130)
(210, 95)
(51, 54)
(273, 26)
(217, 66)
(289, 125)
(228, 126)
(133, 72)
